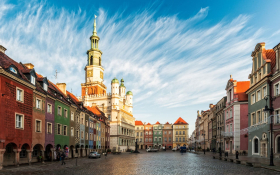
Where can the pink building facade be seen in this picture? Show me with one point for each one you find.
(236, 116)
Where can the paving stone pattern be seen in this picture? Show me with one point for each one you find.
(144, 163)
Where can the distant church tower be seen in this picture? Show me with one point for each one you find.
(94, 71)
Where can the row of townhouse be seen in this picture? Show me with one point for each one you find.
(159, 135)
(241, 121)
(40, 118)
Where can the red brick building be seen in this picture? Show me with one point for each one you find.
(148, 137)
(16, 95)
(167, 135)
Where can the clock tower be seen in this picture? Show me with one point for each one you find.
(94, 71)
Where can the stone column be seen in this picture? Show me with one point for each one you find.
(52, 150)
(2, 151)
(43, 156)
(79, 149)
(29, 158)
(17, 156)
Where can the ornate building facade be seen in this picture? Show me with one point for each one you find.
(117, 105)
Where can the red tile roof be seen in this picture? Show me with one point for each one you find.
(95, 110)
(180, 121)
(166, 123)
(241, 88)
(72, 96)
(149, 124)
(138, 122)
(157, 123)
(270, 55)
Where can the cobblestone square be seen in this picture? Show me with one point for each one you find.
(144, 163)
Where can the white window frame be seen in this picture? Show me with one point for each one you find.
(59, 112)
(253, 146)
(64, 130)
(65, 113)
(264, 90)
(21, 98)
(40, 129)
(276, 91)
(48, 128)
(49, 106)
(58, 124)
(253, 98)
(39, 106)
(45, 86)
(72, 116)
(22, 121)
(32, 79)
(259, 95)
(252, 118)
(72, 132)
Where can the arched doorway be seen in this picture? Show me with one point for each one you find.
(77, 151)
(10, 155)
(81, 151)
(86, 150)
(38, 153)
(23, 154)
(71, 152)
(48, 152)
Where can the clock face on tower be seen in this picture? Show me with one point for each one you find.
(89, 73)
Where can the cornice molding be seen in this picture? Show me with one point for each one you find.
(255, 86)
(39, 93)
(10, 76)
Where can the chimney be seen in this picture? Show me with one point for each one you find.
(62, 87)
(2, 49)
(29, 65)
(93, 104)
(211, 106)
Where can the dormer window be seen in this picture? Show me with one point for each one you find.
(13, 70)
(32, 79)
(45, 87)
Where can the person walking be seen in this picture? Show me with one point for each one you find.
(62, 156)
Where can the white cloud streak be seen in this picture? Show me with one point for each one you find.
(167, 62)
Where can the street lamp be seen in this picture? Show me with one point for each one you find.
(195, 143)
(204, 142)
(220, 150)
(268, 111)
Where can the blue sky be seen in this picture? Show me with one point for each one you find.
(175, 56)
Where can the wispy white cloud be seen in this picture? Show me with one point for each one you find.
(166, 61)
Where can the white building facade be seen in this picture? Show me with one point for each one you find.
(117, 105)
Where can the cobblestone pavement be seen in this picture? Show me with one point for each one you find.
(144, 163)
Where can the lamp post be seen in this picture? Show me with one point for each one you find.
(220, 150)
(204, 141)
(269, 111)
(195, 144)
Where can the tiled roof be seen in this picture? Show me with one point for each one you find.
(270, 54)
(241, 88)
(72, 96)
(157, 123)
(6, 62)
(94, 110)
(180, 121)
(167, 123)
(149, 124)
(138, 122)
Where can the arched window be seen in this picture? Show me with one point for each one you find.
(91, 60)
(99, 61)
(256, 143)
